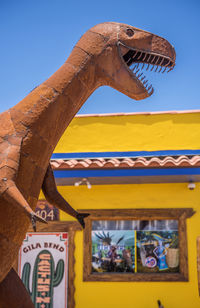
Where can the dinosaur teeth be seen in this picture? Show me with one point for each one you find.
(137, 65)
(164, 70)
(147, 67)
(152, 68)
(136, 55)
(146, 54)
(170, 69)
(156, 68)
(128, 57)
(162, 61)
(140, 56)
(168, 63)
(150, 91)
(139, 75)
(133, 68)
(153, 59)
(136, 69)
(148, 58)
(138, 60)
(157, 61)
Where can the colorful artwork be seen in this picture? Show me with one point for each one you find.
(113, 251)
(136, 246)
(157, 251)
(43, 264)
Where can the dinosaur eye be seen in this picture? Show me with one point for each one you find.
(129, 32)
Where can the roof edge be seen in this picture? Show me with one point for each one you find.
(136, 113)
(181, 161)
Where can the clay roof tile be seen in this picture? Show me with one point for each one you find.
(127, 162)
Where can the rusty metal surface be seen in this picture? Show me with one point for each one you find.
(30, 130)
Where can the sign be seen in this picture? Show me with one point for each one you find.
(47, 211)
(43, 268)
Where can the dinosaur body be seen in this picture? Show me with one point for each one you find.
(30, 130)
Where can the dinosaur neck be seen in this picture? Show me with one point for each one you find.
(47, 111)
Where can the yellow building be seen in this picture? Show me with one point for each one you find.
(148, 161)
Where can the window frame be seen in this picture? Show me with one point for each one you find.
(180, 214)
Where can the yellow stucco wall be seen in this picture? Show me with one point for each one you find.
(134, 133)
(141, 132)
(136, 294)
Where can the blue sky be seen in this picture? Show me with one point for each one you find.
(38, 36)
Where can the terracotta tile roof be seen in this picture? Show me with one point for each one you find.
(127, 162)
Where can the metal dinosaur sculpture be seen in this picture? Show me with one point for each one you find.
(111, 54)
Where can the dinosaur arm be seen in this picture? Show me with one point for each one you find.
(54, 197)
(14, 197)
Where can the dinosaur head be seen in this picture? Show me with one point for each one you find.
(122, 54)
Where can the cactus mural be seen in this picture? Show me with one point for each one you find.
(44, 279)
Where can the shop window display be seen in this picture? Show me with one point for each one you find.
(135, 246)
(148, 245)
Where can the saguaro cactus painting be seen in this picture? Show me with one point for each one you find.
(45, 278)
(43, 268)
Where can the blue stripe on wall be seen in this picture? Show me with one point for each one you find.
(125, 172)
(124, 154)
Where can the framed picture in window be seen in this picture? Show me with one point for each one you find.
(136, 245)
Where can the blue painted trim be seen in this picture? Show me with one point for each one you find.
(125, 172)
(124, 154)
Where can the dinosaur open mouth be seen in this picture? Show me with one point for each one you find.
(140, 60)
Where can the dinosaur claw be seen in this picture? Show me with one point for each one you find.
(80, 217)
(34, 217)
(33, 221)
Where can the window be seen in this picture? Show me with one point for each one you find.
(136, 245)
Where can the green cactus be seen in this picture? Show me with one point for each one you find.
(44, 279)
